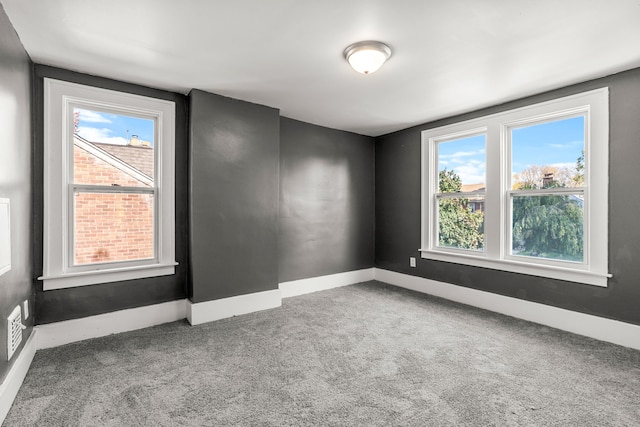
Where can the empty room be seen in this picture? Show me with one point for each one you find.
(337, 213)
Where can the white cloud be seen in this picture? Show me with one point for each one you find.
(568, 165)
(472, 174)
(567, 145)
(470, 166)
(460, 154)
(100, 135)
(92, 116)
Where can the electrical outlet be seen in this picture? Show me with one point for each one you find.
(412, 261)
(25, 309)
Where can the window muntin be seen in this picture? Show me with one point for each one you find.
(109, 199)
(582, 200)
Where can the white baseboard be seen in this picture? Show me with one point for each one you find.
(14, 379)
(68, 331)
(321, 283)
(209, 311)
(600, 328)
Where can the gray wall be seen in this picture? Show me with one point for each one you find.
(234, 197)
(83, 301)
(398, 213)
(15, 176)
(326, 201)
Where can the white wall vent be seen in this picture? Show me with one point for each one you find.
(14, 331)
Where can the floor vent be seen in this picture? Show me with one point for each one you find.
(14, 331)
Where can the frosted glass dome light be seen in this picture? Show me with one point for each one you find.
(367, 56)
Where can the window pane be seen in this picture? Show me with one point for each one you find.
(548, 226)
(112, 227)
(112, 149)
(548, 155)
(461, 223)
(462, 164)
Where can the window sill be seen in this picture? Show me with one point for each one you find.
(552, 272)
(72, 280)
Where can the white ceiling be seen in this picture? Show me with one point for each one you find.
(449, 56)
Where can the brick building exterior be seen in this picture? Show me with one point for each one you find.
(112, 226)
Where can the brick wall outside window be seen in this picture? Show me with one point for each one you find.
(112, 226)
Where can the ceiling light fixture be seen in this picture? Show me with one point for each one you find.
(367, 56)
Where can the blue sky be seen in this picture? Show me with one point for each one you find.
(557, 143)
(465, 156)
(108, 128)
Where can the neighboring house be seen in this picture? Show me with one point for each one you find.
(475, 203)
(113, 226)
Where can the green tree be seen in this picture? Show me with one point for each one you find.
(579, 176)
(449, 181)
(459, 226)
(550, 226)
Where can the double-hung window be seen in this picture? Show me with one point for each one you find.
(108, 186)
(524, 190)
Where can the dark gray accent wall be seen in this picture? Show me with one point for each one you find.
(326, 201)
(398, 212)
(15, 178)
(83, 301)
(234, 197)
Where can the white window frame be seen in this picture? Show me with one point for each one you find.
(437, 195)
(594, 105)
(58, 270)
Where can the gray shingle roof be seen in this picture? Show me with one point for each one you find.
(138, 157)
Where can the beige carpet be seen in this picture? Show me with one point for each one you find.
(362, 355)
